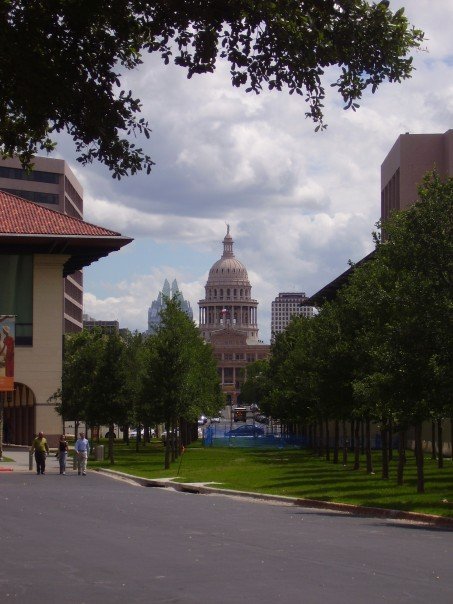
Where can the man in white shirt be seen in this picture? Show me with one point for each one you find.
(82, 450)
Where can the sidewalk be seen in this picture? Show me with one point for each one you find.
(21, 461)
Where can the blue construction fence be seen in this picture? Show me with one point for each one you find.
(215, 436)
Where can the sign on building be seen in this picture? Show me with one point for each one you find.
(7, 341)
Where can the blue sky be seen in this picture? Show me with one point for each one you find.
(300, 204)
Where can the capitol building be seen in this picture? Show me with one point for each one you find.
(228, 320)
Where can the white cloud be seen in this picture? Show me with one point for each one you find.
(300, 203)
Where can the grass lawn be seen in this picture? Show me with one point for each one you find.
(294, 473)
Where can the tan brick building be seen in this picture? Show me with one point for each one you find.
(38, 248)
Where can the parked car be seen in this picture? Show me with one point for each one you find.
(247, 430)
(133, 433)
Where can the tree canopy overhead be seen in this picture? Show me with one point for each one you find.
(61, 61)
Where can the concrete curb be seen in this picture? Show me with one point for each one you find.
(356, 510)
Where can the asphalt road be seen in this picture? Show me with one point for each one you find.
(71, 539)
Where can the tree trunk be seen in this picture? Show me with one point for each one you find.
(327, 441)
(433, 440)
(390, 440)
(362, 437)
(315, 437)
(401, 458)
(126, 434)
(385, 451)
(336, 441)
(440, 444)
(369, 458)
(345, 443)
(111, 442)
(321, 438)
(451, 437)
(356, 445)
(310, 436)
(419, 458)
(351, 444)
(167, 446)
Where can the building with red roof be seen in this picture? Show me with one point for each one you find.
(38, 248)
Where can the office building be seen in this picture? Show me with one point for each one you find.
(410, 158)
(167, 293)
(108, 327)
(285, 306)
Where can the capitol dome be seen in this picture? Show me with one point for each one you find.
(228, 270)
(228, 299)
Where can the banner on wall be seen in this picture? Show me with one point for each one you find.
(7, 341)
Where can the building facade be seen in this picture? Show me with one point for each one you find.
(53, 185)
(158, 305)
(38, 247)
(405, 165)
(107, 327)
(228, 319)
(285, 306)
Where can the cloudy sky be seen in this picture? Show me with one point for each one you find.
(300, 204)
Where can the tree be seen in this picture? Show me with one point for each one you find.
(95, 381)
(256, 386)
(109, 403)
(61, 62)
(402, 302)
(80, 355)
(180, 377)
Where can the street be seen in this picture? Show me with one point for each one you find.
(96, 539)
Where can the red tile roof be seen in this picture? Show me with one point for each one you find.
(22, 217)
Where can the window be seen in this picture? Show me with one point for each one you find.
(16, 294)
(228, 377)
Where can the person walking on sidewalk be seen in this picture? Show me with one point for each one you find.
(62, 453)
(41, 449)
(82, 450)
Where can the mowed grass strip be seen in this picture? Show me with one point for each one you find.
(294, 473)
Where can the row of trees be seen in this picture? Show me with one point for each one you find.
(382, 350)
(168, 378)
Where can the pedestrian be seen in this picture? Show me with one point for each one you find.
(41, 449)
(82, 450)
(62, 453)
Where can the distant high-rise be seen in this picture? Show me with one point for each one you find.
(159, 304)
(53, 185)
(285, 306)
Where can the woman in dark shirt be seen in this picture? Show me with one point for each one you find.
(62, 453)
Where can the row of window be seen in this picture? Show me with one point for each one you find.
(227, 293)
(34, 175)
(35, 196)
